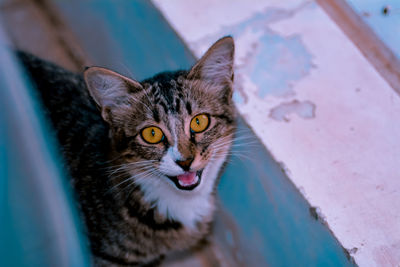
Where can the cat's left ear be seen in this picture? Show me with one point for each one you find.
(216, 65)
(109, 90)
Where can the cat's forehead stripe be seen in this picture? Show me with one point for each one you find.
(189, 108)
(156, 115)
(169, 95)
(178, 105)
(163, 104)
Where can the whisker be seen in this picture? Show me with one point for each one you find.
(131, 178)
(130, 164)
(111, 160)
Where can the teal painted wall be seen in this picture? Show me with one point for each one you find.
(38, 225)
(131, 37)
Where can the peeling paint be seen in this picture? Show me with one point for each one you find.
(304, 109)
(271, 61)
(237, 97)
(278, 63)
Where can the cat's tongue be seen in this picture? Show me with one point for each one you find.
(187, 179)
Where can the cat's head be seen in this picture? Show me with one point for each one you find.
(172, 132)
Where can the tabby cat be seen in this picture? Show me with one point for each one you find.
(144, 157)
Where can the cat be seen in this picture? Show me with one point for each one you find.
(144, 157)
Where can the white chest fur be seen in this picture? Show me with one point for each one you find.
(187, 207)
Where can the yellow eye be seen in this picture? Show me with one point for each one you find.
(199, 123)
(152, 135)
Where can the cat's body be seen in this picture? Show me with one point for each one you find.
(142, 197)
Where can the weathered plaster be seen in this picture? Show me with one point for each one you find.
(304, 109)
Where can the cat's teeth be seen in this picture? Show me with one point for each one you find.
(195, 180)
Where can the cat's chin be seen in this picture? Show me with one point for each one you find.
(187, 186)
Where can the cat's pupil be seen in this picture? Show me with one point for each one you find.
(197, 121)
(153, 132)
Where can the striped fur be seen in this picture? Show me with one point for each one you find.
(134, 213)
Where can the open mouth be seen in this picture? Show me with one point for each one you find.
(187, 181)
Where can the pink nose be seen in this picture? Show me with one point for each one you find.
(185, 164)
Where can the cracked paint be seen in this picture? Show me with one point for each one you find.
(303, 109)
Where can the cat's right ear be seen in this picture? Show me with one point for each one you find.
(109, 89)
(216, 65)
